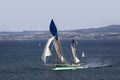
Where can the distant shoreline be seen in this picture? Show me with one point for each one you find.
(108, 32)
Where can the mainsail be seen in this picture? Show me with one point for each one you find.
(47, 51)
(76, 60)
(53, 31)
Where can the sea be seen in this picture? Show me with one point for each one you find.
(21, 60)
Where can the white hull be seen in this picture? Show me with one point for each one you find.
(66, 67)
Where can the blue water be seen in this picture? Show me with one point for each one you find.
(21, 60)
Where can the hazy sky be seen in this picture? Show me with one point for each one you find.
(19, 15)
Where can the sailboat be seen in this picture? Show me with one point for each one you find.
(63, 65)
(83, 55)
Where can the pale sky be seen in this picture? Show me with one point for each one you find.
(19, 15)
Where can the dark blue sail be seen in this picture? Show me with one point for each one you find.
(53, 29)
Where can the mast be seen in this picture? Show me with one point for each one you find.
(53, 31)
(73, 47)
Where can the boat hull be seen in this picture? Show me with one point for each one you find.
(66, 67)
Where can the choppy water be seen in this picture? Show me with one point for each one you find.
(21, 60)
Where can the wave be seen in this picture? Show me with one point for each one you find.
(94, 65)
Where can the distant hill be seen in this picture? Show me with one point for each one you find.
(106, 29)
(107, 32)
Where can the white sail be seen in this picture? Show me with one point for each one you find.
(58, 50)
(83, 54)
(74, 54)
(47, 51)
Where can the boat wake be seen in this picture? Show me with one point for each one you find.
(93, 65)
